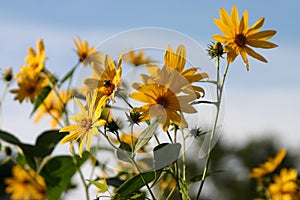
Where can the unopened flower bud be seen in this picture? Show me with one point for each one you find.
(215, 50)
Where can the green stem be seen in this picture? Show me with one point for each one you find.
(1, 100)
(220, 87)
(133, 162)
(86, 187)
(169, 136)
(183, 157)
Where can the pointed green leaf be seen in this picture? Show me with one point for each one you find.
(40, 99)
(58, 173)
(145, 136)
(165, 154)
(124, 152)
(9, 138)
(68, 75)
(199, 177)
(135, 183)
(103, 187)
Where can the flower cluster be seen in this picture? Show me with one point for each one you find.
(271, 185)
(157, 106)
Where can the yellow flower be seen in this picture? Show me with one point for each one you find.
(87, 54)
(30, 84)
(53, 106)
(269, 166)
(284, 186)
(177, 62)
(162, 99)
(137, 59)
(87, 123)
(106, 79)
(25, 185)
(37, 59)
(238, 36)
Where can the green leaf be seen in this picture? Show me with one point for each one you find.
(124, 152)
(114, 181)
(165, 154)
(135, 183)
(199, 177)
(58, 173)
(47, 141)
(34, 154)
(8, 137)
(103, 187)
(145, 136)
(68, 75)
(40, 99)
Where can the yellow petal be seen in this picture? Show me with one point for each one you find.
(235, 18)
(244, 57)
(80, 105)
(91, 83)
(252, 53)
(224, 28)
(220, 38)
(142, 97)
(262, 35)
(68, 128)
(88, 142)
(181, 57)
(69, 137)
(261, 44)
(226, 19)
(258, 24)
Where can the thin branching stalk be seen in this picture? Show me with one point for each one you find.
(86, 186)
(220, 87)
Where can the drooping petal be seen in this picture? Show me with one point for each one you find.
(245, 59)
(252, 53)
(69, 137)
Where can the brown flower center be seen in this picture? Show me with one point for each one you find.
(162, 101)
(108, 87)
(86, 123)
(83, 56)
(240, 40)
(31, 89)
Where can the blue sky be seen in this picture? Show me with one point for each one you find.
(264, 99)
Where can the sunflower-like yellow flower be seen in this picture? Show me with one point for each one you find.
(54, 106)
(105, 79)
(162, 98)
(269, 166)
(238, 36)
(36, 59)
(30, 84)
(87, 122)
(87, 54)
(285, 186)
(137, 59)
(25, 185)
(177, 62)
